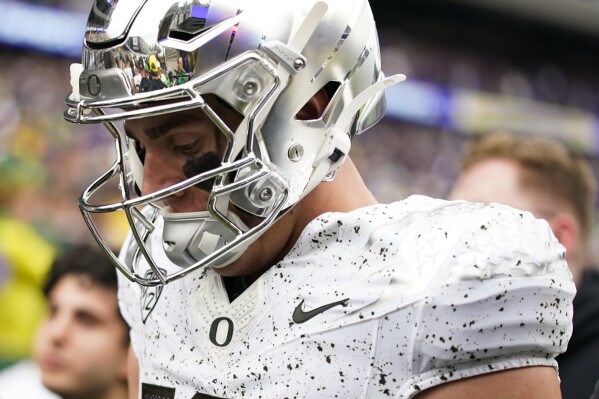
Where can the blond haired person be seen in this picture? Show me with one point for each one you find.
(542, 176)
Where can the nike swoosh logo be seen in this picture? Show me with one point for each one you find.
(299, 316)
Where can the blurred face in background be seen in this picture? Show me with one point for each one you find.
(500, 180)
(494, 180)
(82, 345)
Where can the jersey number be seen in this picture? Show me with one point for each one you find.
(149, 391)
(221, 332)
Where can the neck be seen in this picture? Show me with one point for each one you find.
(577, 265)
(347, 192)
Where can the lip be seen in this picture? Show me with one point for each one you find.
(52, 362)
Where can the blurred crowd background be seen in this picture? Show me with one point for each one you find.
(527, 66)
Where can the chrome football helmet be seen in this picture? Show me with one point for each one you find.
(263, 58)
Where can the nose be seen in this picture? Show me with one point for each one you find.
(160, 172)
(57, 327)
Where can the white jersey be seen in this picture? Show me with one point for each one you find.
(384, 301)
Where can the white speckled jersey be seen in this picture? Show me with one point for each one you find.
(381, 302)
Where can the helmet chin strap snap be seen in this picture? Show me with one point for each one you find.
(190, 237)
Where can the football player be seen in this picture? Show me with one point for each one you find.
(259, 265)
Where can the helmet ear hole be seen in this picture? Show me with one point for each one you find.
(315, 107)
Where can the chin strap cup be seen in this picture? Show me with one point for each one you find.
(188, 238)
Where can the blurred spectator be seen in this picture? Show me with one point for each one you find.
(400, 159)
(163, 76)
(25, 258)
(82, 345)
(144, 82)
(154, 82)
(45, 163)
(543, 177)
(125, 65)
(180, 76)
(139, 76)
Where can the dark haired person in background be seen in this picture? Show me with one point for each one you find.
(82, 344)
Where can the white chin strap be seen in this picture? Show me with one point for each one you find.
(188, 238)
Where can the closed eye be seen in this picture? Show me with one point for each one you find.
(189, 148)
(87, 319)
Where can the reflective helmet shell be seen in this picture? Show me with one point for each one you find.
(264, 58)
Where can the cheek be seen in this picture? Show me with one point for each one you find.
(97, 340)
(161, 160)
(41, 339)
(100, 349)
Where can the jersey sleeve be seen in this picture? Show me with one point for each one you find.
(502, 299)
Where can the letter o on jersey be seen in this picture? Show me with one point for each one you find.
(221, 331)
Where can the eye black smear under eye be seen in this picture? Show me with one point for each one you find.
(201, 164)
(141, 152)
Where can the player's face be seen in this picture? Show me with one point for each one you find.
(176, 146)
(81, 346)
(180, 145)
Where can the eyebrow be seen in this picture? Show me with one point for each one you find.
(156, 132)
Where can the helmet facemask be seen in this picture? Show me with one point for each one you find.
(216, 236)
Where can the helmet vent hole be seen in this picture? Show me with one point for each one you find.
(331, 88)
(316, 106)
